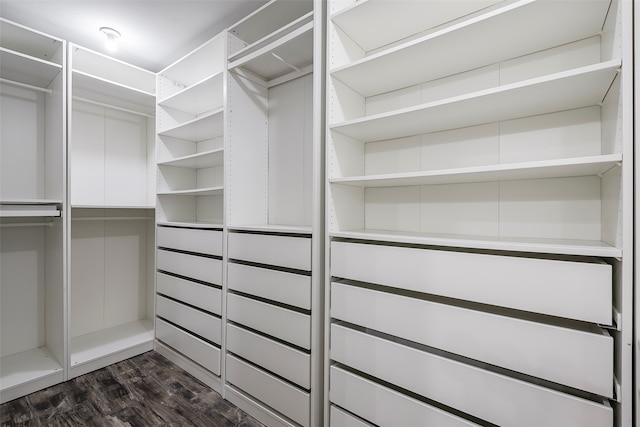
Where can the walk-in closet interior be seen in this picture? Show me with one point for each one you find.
(345, 213)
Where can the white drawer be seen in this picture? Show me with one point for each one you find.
(193, 240)
(194, 348)
(196, 267)
(202, 324)
(575, 290)
(288, 288)
(283, 251)
(283, 397)
(340, 418)
(202, 296)
(278, 322)
(578, 359)
(291, 364)
(382, 406)
(467, 388)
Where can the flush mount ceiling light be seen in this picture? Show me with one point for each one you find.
(111, 35)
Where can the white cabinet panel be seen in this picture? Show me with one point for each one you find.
(470, 389)
(202, 296)
(199, 268)
(193, 240)
(293, 365)
(570, 289)
(196, 321)
(287, 288)
(193, 347)
(340, 418)
(381, 405)
(287, 325)
(287, 399)
(282, 251)
(576, 358)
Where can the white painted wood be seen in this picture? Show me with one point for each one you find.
(201, 97)
(27, 372)
(35, 210)
(284, 287)
(278, 322)
(203, 191)
(202, 127)
(196, 294)
(107, 92)
(381, 405)
(196, 267)
(283, 251)
(582, 359)
(470, 389)
(192, 347)
(577, 88)
(201, 241)
(195, 321)
(258, 410)
(487, 279)
(291, 364)
(207, 159)
(340, 418)
(13, 63)
(30, 41)
(197, 370)
(287, 399)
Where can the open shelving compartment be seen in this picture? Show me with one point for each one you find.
(112, 197)
(190, 138)
(485, 129)
(32, 210)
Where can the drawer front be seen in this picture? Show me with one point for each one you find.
(278, 358)
(340, 418)
(196, 321)
(200, 268)
(288, 288)
(383, 406)
(282, 251)
(194, 348)
(283, 397)
(575, 290)
(467, 388)
(202, 296)
(579, 359)
(278, 322)
(193, 240)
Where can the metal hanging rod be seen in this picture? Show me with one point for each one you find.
(32, 87)
(26, 224)
(114, 107)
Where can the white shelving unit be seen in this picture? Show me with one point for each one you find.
(32, 210)
(111, 191)
(190, 191)
(274, 213)
(469, 135)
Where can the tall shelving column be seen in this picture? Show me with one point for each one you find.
(274, 214)
(111, 182)
(33, 210)
(480, 213)
(190, 194)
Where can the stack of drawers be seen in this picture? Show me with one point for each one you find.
(189, 294)
(269, 321)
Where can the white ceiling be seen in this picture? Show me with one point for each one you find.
(155, 33)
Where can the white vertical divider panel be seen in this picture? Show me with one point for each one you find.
(636, 336)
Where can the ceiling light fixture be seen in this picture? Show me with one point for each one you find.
(111, 35)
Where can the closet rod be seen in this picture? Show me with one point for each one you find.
(113, 218)
(32, 87)
(114, 107)
(26, 224)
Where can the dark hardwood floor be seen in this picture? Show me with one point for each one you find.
(147, 390)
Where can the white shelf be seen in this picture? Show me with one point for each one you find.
(200, 224)
(205, 159)
(273, 228)
(21, 211)
(496, 36)
(201, 128)
(367, 22)
(582, 166)
(30, 42)
(292, 53)
(96, 345)
(209, 191)
(547, 246)
(27, 70)
(88, 86)
(199, 98)
(581, 87)
(26, 367)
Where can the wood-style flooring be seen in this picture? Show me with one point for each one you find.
(147, 390)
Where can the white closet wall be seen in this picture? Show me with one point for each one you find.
(32, 210)
(479, 186)
(111, 191)
(274, 214)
